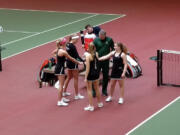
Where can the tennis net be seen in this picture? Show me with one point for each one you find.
(168, 68)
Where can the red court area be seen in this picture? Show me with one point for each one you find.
(28, 110)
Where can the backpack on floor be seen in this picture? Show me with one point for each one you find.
(44, 76)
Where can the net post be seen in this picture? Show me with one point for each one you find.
(161, 69)
(1, 30)
(0, 58)
(166, 59)
(158, 68)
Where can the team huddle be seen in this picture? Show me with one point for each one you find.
(99, 48)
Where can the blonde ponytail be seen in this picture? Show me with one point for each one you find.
(91, 49)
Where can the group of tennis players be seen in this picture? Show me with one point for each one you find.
(99, 49)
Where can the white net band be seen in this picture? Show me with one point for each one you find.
(170, 51)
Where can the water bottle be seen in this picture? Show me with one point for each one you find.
(50, 65)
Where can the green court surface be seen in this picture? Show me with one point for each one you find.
(164, 122)
(24, 30)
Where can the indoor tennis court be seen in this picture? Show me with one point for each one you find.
(30, 29)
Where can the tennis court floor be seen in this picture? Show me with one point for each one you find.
(28, 29)
(164, 122)
(25, 30)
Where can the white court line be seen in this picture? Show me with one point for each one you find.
(14, 31)
(152, 116)
(59, 37)
(48, 30)
(35, 10)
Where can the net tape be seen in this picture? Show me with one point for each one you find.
(171, 51)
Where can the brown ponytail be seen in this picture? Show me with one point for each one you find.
(122, 47)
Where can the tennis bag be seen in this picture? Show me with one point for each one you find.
(134, 69)
(47, 77)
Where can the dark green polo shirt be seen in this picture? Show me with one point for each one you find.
(103, 47)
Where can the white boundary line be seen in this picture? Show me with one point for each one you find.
(35, 10)
(152, 116)
(49, 30)
(26, 32)
(59, 37)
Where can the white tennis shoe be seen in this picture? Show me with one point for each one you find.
(62, 103)
(65, 100)
(109, 99)
(121, 101)
(89, 108)
(66, 94)
(100, 104)
(79, 96)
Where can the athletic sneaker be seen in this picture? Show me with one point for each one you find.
(109, 99)
(79, 96)
(62, 103)
(89, 108)
(100, 104)
(65, 99)
(66, 94)
(121, 100)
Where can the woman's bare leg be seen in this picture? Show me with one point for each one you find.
(113, 84)
(75, 74)
(96, 87)
(69, 77)
(121, 85)
(89, 91)
(61, 79)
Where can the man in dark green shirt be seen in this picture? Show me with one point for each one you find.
(104, 45)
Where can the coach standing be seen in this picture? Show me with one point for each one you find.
(103, 46)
